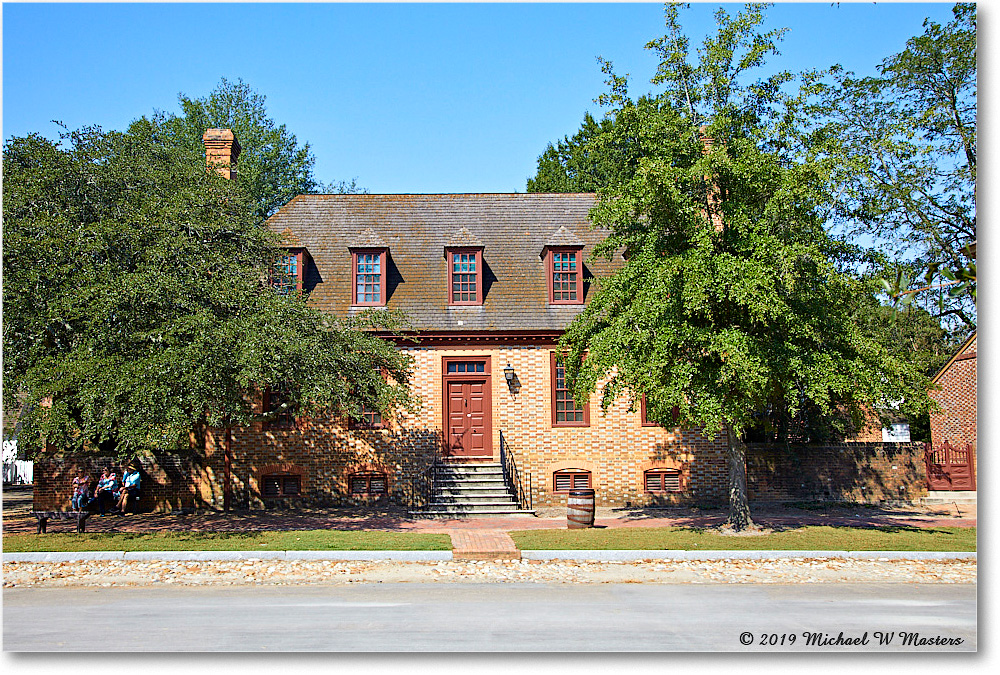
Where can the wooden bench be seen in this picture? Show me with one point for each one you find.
(79, 516)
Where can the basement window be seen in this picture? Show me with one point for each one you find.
(658, 481)
(369, 483)
(570, 479)
(281, 485)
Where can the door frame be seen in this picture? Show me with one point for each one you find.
(486, 378)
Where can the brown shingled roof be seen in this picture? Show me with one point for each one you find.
(563, 237)
(513, 229)
(464, 238)
(367, 238)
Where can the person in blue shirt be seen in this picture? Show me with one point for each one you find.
(130, 488)
(107, 489)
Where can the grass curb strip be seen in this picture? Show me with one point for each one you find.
(412, 556)
(619, 555)
(434, 556)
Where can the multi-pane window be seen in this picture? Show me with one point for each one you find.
(370, 483)
(565, 411)
(662, 480)
(646, 422)
(281, 485)
(369, 278)
(466, 366)
(287, 271)
(464, 277)
(285, 279)
(564, 276)
(565, 270)
(274, 398)
(371, 418)
(571, 479)
(465, 285)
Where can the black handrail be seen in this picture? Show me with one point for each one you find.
(512, 477)
(416, 492)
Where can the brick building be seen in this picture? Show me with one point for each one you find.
(488, 282)
(953, 430)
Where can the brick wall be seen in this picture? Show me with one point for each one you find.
(167, 482)
(956, 423)
(859, 472)
(616, 448)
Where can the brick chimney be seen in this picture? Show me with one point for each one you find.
(221, 151)
(714, 201)
(706, 141)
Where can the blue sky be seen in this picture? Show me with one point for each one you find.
(402, 97)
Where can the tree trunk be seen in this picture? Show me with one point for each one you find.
(739, 503)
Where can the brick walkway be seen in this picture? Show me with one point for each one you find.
(483, 545)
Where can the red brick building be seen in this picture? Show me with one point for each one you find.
(953, 429)
(489, 282)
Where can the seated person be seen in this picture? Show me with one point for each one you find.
(130, 489)
(81, 491)
(107, 489)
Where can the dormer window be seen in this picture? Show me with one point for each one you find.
(563, 255)
(369, 276)
(465, 277)
(565, 271)
(288, 270)
(464, 253)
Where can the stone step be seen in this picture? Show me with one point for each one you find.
(438, 498)
(949, 497)
(431, 511)
(470, 482)
(471, 466)
(474, 506)
(462, 475)
(458, 491)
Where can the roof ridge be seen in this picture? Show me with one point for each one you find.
(448, 194)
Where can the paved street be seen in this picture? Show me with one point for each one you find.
(490, 617)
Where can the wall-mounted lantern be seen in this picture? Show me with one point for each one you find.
(512, 382)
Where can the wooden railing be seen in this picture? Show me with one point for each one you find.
(520, 485)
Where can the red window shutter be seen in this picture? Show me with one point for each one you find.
(563, 481)
(657, 480)
(272, 486)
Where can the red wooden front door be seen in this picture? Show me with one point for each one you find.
(468, 418)
(950, 468)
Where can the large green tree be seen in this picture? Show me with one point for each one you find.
(272, 167)
(733, 297)
(137, 306)
(589, 159)
(901, 152)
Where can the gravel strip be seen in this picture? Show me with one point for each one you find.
(108, 573)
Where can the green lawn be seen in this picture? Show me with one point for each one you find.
(306, 540)
(801, 539)
(625, 538)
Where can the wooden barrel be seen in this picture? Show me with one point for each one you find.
(580, 509)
